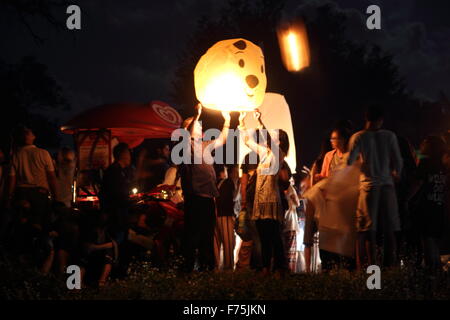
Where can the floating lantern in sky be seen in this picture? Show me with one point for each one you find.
(294, 46)
(231, 76)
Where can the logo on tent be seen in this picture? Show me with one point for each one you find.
(167, 113)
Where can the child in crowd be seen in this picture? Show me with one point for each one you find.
(227, 209)
(100, 252)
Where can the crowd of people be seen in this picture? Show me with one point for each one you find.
(236, 217)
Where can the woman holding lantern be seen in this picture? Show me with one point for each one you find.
(268, 211)
(231, 76)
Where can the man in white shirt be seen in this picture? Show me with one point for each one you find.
(31, 167)
(31, 181)
(377, 209)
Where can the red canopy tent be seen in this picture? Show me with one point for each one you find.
(128, 122)
(131, 123)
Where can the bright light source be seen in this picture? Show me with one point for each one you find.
(294, 47)
(134, 190)
(231, 76)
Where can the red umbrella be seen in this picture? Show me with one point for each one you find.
(129, 122)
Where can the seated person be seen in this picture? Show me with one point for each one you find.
(100, 251)
(67, 241)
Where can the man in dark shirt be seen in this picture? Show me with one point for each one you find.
(115, 190)
(430, 188)
(159, 164)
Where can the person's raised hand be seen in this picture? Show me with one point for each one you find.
(198, 108)
(241, 118)
(226, 115)
(257, 115)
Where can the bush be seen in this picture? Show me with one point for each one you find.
(146, 282)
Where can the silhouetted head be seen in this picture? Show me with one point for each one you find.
(163, 150)
(284, 141)
(375, 115)
(66, 155)
(264, 138)
(250, 162)
(122, 154)
(221, 172)
(340, 135)
(23, 136)
(232, 171)
(433, 147)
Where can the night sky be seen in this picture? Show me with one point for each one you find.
(127, 50)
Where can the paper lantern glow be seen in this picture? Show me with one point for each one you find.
(294, 47)
(231, 76)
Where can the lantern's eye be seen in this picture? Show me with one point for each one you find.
(262, 69)
(241, 63)
(241, 45)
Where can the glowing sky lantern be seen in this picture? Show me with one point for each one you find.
(231, 76)
(294, 47)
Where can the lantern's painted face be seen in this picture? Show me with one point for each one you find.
(231, 76)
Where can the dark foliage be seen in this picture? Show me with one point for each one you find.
(344, 76)
(27, 88)
(26, 11)
(18, 282)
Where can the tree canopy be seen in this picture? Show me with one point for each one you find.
(26, 89)
(343, 78)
